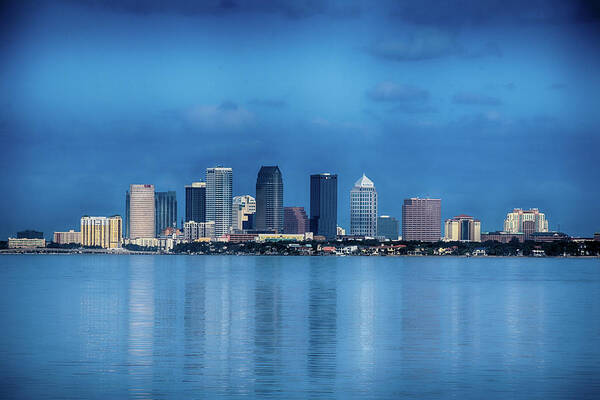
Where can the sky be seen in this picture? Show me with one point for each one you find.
(488, 105)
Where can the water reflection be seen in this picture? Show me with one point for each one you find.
(322, 328)
(300, 327)
(141, 324)
(267, 329)
(194, 322)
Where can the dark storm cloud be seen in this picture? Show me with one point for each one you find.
(393, 92)
(428, 43)
(273, 103)
(288, 8)
(471, 98)
(469, 12)
(421, 44)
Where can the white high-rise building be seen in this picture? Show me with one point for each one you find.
(515, 220)
(141, 211)
(243, 206)
(218, 198)
(363, 208)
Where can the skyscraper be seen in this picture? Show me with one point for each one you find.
(219, 182)
(244, 208)
(514, 222)
(323, 205)
(141, 218)
(363, 208)
(295, 220)
(165, 205)
(462, 228)
(421, 219)
(127, 223)
(387, 227)
(269, 199)
(195, 202)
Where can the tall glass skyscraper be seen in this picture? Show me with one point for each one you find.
(219, 182)
(269, 199)
(323, 205)
(363, 208)
(195, 202)
(166, 210)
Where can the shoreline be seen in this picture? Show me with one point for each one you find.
(149, 253)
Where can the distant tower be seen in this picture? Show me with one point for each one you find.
(195, 202)
(166, 210)
(515, 220)
(244, 208)
(141, 218)
(219, 181)
(421, 219)
(269, 199)
(462, 228)
(295, 220)
(387, 227)
(323, 205)
(363, 208)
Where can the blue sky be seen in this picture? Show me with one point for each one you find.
(488, 105)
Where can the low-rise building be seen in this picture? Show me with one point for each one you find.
(241, 237)
(502, 237)
(26, 243)
(194, 230)
(70, 237)
(278, 237)
(549, 236)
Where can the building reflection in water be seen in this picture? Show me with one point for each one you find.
(267, 327)
(103, 309)
(194, 321)
(366, 324)
(322, 327)
(240, 361)
(141, 323)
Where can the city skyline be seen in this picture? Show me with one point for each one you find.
(222, 183)
(96, 96)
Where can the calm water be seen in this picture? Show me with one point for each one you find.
(298, 327)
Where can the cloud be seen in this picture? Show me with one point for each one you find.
(467, 12)
(557, 86)
(411, 108)
(470, 98)
(287, 8)
(489, 49)
(273, 103)
(429, 43)
(391, 92)
(227, 115)
(421, 44)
